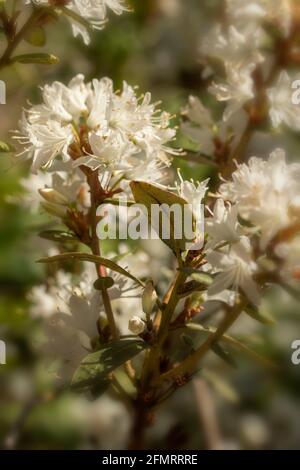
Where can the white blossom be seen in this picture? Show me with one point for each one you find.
(93, 12)
(223, 226)
(208, 134)
(123, 134)
(236, 47)
(235, 268)
(236, 91)
(266, 193)
(252, 14)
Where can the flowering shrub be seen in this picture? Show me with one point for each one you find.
(90, 145)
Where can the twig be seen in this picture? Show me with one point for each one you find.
(95, 247)
(189, 365)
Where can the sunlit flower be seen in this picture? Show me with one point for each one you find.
(265, 192)
(97, 127)
(207, 134)
(85, 14)
(235, 268)
(223, 226)
(237, 90)
(255, 12)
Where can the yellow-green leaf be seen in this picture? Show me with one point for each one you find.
(148, 195)
(43, 59)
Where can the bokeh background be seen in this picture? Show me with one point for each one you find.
(248, 406)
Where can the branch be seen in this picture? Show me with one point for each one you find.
(13, 44)
(95, 247)
(189, 365)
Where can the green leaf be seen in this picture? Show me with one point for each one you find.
(224, 355)
(148, 195)
(235, 343)
(261, 315)
(36, 37)
(202, 278)
(93, 259)
(57, 236)
(93, 371)
(44, 59)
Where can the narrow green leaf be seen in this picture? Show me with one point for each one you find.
(234, 342)
(93, 259)
(57, 236)
(44, 59)
(224, 355)
(95, 367)
(261, 315)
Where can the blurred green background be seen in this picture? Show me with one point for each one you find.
(157, 49)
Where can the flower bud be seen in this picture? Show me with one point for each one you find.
(149, 298)
(53, 196)
(54, 209)
(136, 325)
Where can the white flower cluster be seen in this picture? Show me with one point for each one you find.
(85, 14)
(260, 203)
(243, 45)
(267, 194)
(90, 125)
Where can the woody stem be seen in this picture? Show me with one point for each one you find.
(95, 247)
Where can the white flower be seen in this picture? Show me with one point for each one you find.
(237, 90)
(253, 13)
(235, 269)
(31, 184)
(224, 225)
(206, 133)
(44, 142)
(233, 47)
(192, 192)
(136, 325)
(282, 108)
(48, 300)
(93, 12)
(92, 125)
(266, 193)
